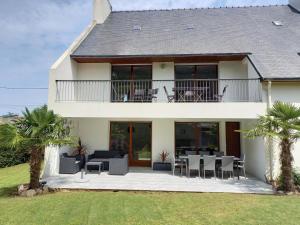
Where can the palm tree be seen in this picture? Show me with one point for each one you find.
(281, 123)
(36, 130)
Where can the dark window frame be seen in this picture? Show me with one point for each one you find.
(195, 131)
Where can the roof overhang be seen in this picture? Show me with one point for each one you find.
(280, 79)
(177, 58)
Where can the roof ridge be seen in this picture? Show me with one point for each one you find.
(204, 8)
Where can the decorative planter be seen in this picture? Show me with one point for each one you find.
(162, 166)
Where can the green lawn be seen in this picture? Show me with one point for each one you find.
(140, 207)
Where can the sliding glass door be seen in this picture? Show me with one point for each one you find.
(196, 83)
(130, 83)
(133, 138)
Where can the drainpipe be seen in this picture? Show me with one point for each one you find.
(270, 141)
(269, 94)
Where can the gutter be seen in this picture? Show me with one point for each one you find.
(159, 55)
(278, 79)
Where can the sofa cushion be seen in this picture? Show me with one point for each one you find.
(106, 154)
(99, 160)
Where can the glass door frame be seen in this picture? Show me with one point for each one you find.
(132, 80)
(131, 161)
(193, 80)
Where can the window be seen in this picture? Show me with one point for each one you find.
(196, 72)
(196, 83)
(127, 79)
(196, 136)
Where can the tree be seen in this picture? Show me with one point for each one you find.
(36, 130)
(281, 123)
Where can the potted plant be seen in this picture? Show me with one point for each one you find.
(80, 151)
(211, 148)
(163, 165)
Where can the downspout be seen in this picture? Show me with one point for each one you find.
(270, 140)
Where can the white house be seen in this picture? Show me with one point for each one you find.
(177, 80)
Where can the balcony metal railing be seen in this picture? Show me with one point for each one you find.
(193, 90)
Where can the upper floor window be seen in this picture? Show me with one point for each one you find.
(196, 72)
(135, 72)
(131, 83)
(196, 83)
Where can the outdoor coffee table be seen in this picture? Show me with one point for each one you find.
(93, 164)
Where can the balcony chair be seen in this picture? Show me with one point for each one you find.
(152, 94)
(209, 164)
(139, 95)
(220, 97)
(193, 164)
(171, 98)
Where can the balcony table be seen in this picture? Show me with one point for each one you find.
(184, 92)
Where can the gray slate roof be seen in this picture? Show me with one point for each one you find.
(222, 30)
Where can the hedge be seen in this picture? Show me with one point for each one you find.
(11, 157)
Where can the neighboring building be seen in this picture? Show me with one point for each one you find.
(222, 66)
(8, 118)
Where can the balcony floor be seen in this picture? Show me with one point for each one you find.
(145, 179)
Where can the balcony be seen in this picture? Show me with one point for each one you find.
(159, 91)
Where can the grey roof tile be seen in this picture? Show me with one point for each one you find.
(224, 30)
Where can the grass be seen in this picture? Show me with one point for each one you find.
(140, 207)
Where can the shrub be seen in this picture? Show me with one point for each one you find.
(12, 156)
(296, 176)
(296, 179)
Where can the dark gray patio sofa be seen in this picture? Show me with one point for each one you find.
(115, 162)
(70, 164)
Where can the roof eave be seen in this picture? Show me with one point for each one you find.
(160, 55)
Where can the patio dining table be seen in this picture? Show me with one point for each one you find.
(185, 157)
(218, 158)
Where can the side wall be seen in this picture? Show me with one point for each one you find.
(255, 152)
(287, 92)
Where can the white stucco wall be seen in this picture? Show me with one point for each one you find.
(287, 92)
(93, 71)
(232, 70)
(162, 138)
(229, 70)
(161, 110)
(163, 71)
(94, 133)
(255, 152)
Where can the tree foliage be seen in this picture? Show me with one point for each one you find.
(36, 130)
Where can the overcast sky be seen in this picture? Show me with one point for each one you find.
(34, 33)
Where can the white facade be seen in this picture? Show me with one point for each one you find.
(91, 120)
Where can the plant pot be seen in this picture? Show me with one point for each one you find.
(162, 166)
